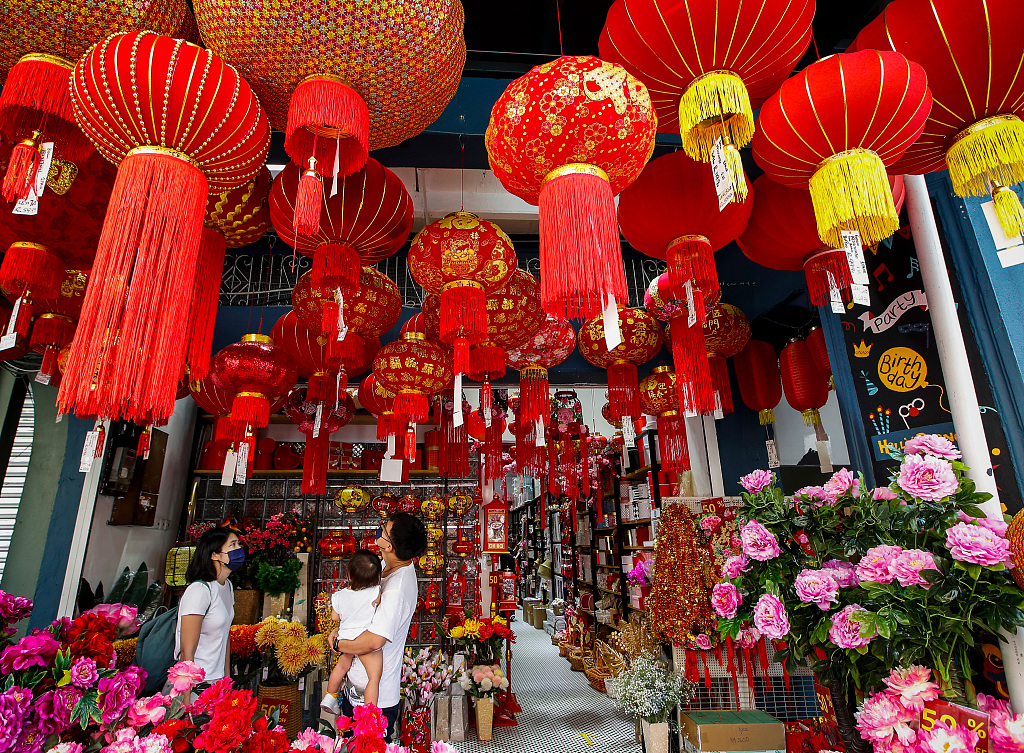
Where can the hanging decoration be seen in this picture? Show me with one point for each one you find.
(242, 213)
(317, 424)
(726, 332)
(819, 353)
(255, 371)
(703, 64)
(181, 123)
(453, 460)
(568, 451)
(567, 137)
(659, 397)
(380, 402)
(690, 227)
(971, 53)
(806, 388)
(54, 321)
(760, 383)
(783, 234)
(835, 127)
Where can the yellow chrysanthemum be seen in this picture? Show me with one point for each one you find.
(268, 633)
(315, 650)
(472, 628)
(499, 621)
(457, 632)
(292, 661)
(294, 630)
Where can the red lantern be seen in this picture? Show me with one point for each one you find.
(384, 503)
(783, 234)
(689, 227)
(255, 371)
(371, 311)
(241, 214)
(757, 372)
(641, 341)
(317, 423)
(835, 127)
(554, 342)
(380, 401)
(56, 319)
(971, 52)
(606, 412)
(703, 64)
(179, 122)
(726, 332)
(568, 136)
(805, 387)
(819, 352)
(659, 397)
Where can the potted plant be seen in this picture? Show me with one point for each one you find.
(483, 682)
(424, 674)
(273, 567)
(482, 638)
(288, 653)
(648, 692)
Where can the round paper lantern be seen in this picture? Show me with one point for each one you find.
(606, 412)
(317, 423)
(179, 123)
(689, 228)
(554, 342)
(805, 387)
(819, 352)
(835, 127)
(971, 52)
(371, 311)
(414, 369)
(380, 401)
(255, 371)
(568, 136)
(641, 341)
(726, 332)
(56, 319)
(757, 373)
(659, 398)
(703, 64)
(783, 234)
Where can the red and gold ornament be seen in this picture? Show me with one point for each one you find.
(659, 397)
(726, 332)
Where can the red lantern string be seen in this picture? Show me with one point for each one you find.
(622, 389)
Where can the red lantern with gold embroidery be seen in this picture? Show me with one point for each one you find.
(757, 373)
(641, 341)
(835, 127)
(554, 342)
(726, 332)
(180, 123)
(242, 213)
(317, 423)
(56, 319)
(805, 387)
(380, 401)
(704, 62)
(659, 397)
(568, 136)
(255, 371)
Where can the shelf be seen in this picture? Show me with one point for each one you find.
(634, 609)
(610, 495)
(617, 568)
(297, 473)
(639, 473)
(606, 591)
(631, 523)
(605, 529)
(639, 548)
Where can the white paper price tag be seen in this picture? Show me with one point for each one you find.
(334, 192)
(42, 378)
(88, 451)
(720, 170)
(855, 255)
(823, 457)
(457, 419)
(318, 420)
(612, 334)
(835, 297)
(391, 470)
(773, 454)
(227, 476)
(266, 672)
(628, 432)
(390, 451)
(539, 434)
(342, 327)
(719, 412)
(45, 158)
(861, 294)
(242, 466)
(27, 207)
(11, 338)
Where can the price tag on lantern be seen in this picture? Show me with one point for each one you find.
(855, 255)
(628, 432)
(11, 338)
(227, 476)
(773, 454)
(242, 466)
(691, 318)
(720, 170)
(391, 470)
(318, 421)
(29, 206)
(88, 451)
(861, 294)
(835, 297)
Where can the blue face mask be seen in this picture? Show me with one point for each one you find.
(236, 558)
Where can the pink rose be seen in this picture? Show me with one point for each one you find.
(927, 477)
(817, 587)
(842, 481)
(184, 676)
(931, 444)
(734, 566)
(883, 494)
(758, 542)
(845, 632)
(908, 566)
(155, 744)
(979, 546)
(770, 617)
(703, 642)
(943, 738)
(883, 717)
(150, 710)
(748, 638)
(845, 573)
(876, 564)
(816, 495)
(913, 685)
(756, 481)
(725, 600)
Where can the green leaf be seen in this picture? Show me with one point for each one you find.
(120, 586)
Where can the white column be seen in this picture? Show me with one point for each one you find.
(698, 456)
(487, 495)
(714, 457)
(963, 399)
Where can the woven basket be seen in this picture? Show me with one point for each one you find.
(289, 700)
(563, 648)
(555, 640)
(577, 656)
(597, 671)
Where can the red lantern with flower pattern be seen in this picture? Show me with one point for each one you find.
(726, 332)
(255, 371)
(659, 397)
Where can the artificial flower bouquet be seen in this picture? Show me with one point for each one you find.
(273, 566)
(649, 691)
(288, 652)
(484, 681)
(246, 659)
(642, 573)
(425, 673)
(483, 638)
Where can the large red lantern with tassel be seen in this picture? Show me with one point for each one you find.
(554, 342)
(708, 66)
(659, 397)
(641, 341)
(371, 311)
(671, 212)
(317, 423)
(806, 388)
(255, 371)
(757, 373)
(835, 127)
(568, 136)
(55, 320)
(783, 234)
(972, 54)
(414, 369)
(726, 332)
(180, 123)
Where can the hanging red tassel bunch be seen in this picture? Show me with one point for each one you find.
(317, 423)
(659, 398)
(55, 320)
(726, 332)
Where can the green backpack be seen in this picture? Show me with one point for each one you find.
(154, 651)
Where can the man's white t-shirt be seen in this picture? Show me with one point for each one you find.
(216, 602)
(398, 595)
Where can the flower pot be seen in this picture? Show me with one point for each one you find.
(288, 699)
(248, 606)
(416, 728)
(655, 736)
(611, 687)
(485, 718)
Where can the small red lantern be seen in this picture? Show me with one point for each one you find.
(659, 397)
(380, 401)
(255, 371)
(757, 372)
(56, 319)
(805, 387)
(606, 412)
(726, 331)
(414, 369)
(384, 503)
(495, 530)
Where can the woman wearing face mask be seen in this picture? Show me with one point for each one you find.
(207, 607)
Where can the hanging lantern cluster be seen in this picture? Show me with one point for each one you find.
(726, 332)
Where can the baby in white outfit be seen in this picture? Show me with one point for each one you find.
(354, 608)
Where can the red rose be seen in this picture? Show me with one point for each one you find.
(267, 741)
(223, 732)
(171, 728)
(91, 624)
(95, 646)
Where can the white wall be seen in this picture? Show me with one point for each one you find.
(794, 439)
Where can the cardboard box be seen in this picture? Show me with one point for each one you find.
(728, 731)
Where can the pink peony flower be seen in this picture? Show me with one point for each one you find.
(758, 542)
(756, 481)
(155, 744)
(927, 477)
(845, 632)
(770, 617)
(996, 525)
(748, 637)
(368, 720)
(703, 642)
(31, 651)
(931, 444)
(734, 566)
(710, 523)
(725, 600)
(843, 481)
(845, 573)
(817, 587)
(942, 738)
(150, 710)
(883, 494)
(883, 717)
(83, 672)
(122, 616)
(876, 564)
(979, 546)
(184, 676)
(67, 748)
(817, 495)
(116, 695)
(309, 739)
(440, 747)
(908, 565)
(913, 685)
(1006, 730)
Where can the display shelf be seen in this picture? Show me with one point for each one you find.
(638, 548)
(355, 473)
(606, 529)
(609, 567)
(610, 495)
(607, 591)
(638, 474)
(632, 523)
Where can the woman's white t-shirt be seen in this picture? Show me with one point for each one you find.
(356, 610)
(216, 602)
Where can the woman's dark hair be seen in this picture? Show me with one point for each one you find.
(363, 570)
(408, 535)
(201, 567)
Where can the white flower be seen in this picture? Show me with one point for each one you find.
(486, 683)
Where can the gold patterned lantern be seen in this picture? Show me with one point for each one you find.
(726, 332)
(431, 563)
(1015, 535)
(432, 507)
(660, 398)
(435, 535)
(460, 504)
(351, 499)
(414, 369)
(176, 563)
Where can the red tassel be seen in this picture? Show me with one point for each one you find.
(454, 453)
(693, 375)
(720, 382)
(730, 651)
(210, 269)
(534, 400)
(623, 390)
(827, 269)
(529, 457)
(251, 409)
(21, 170)
(486, 399)
(49, 367)
(315, 458)
(580, 255)
(224, 429)
(584, 464)
(343, 352)
(143, 447)
(326, 116)
(486, 362)
(410, 443)
(329, 319)
(750, 669)
(463, 315)
(336, 265)
(492, 451)
(762, 651)
(309, 201)
(321, 388)
(24, 321)
(552, 470)
(707, 672)
(149, 244)
(675, 454)
(52, 331)
(30, 266)
(388, 425)
(718, 653)
(690, 257)
(412, 406)
(461, 355)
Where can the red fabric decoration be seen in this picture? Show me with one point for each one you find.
(205, 299)
(726, 331)
(56, 318)
(554, 342)
(605, 135)
(641, 341)
(819, 352)
(757, 372)
(255, 371)
(659, 397)
(371, 311)
(454, 453)
(414, 369)
(805, 387)
(326, 119)
(241, 214)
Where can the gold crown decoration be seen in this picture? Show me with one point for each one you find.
(863, 350)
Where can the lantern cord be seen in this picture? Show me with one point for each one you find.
(266, 293)
(814, 41)
(462, 169)
(558, 15)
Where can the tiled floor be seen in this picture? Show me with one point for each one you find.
(561, 712)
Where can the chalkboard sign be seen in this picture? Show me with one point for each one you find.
(895, 363)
